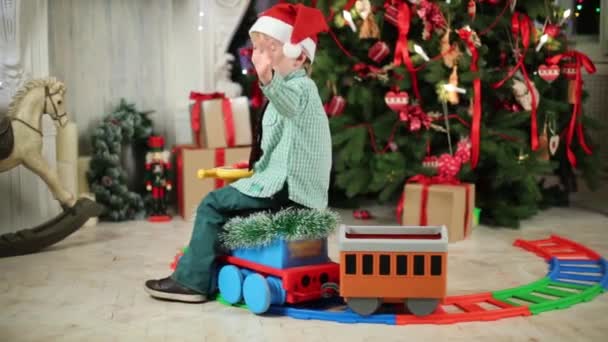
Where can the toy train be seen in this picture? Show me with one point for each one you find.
(378, 264)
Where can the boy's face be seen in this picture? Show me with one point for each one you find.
(274, 50)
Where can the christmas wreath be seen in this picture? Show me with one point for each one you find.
(292, 224)
(107, 179)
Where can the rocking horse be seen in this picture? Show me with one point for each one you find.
(21, 143)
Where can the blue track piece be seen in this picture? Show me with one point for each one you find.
(579, 272)
(604, 281)
(346, 316)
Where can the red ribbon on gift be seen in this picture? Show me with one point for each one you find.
(220, 160)
(427, 181)
(467, 36)
(521, 26)
(580, 60)
(195, 115)
(228, 122)
(402, 54)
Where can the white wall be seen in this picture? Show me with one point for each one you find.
(107, 50)
(151, 52)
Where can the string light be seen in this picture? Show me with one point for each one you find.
(349, 20)
(565, 16)
(201, 14)
(421, 52)
(543, 40)
(451, 87)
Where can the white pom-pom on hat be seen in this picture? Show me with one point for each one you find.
(292, 50)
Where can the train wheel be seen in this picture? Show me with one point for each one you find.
(364, 306)
(230, 283)
(422, 306)
(256, 293)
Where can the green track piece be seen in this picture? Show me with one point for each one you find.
(508, 293)
(554, 292)
(222, 301)
(567, 302)
(529, 297)
(568, 285)
(540, 304)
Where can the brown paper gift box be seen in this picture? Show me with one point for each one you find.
(192, 190)
(213, 132)
(446, 206)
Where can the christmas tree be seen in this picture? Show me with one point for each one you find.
(108, 180)
(486, 91)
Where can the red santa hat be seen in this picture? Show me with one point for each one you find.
(296, 26)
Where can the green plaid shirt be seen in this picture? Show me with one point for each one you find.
(296, 141)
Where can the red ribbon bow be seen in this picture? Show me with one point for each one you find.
(467, 36)
(580, 60)
(401, 48)
(195, 115)
(363, 70)
(521, 26)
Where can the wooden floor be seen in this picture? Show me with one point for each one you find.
(90, 288)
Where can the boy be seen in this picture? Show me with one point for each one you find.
(291, 160)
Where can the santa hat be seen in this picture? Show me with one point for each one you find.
(296, 26)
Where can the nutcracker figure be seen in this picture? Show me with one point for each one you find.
(158, 178)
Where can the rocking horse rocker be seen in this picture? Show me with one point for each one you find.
(21, 143)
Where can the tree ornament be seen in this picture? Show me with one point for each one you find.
(336, 105)
(472, 9)
(391, 13)
(416, 117)
(369, 29)
(548, 73)
(554, 140)
(378, 51)
(543, 144)
(523, 95)
(451, 53)
(431, 16)
(397, 101)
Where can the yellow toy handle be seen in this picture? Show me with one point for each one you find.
(228, 174)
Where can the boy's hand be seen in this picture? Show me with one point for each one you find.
(263, 64)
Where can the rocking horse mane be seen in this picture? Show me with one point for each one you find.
(27, 87)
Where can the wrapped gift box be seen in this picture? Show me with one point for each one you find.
(189, 159)
(449, 205)
(222, 122)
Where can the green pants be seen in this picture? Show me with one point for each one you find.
(197, 269)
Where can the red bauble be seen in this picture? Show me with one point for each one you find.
(548, 73)
(396, 101)
(335, 106)
(552, 30)
(378, 51)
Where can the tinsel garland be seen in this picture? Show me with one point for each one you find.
(291, 224)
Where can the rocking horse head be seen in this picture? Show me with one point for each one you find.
(36, 98)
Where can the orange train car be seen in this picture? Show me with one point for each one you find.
(393, 264)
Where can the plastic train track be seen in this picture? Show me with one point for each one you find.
(576, 274)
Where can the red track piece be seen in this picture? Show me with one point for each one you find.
(471, 311)
(557, 247)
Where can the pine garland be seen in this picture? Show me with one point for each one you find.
(262, 228)
(108, 180)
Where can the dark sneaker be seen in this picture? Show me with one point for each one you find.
(169, 289)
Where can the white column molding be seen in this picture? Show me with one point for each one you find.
(23, 45)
